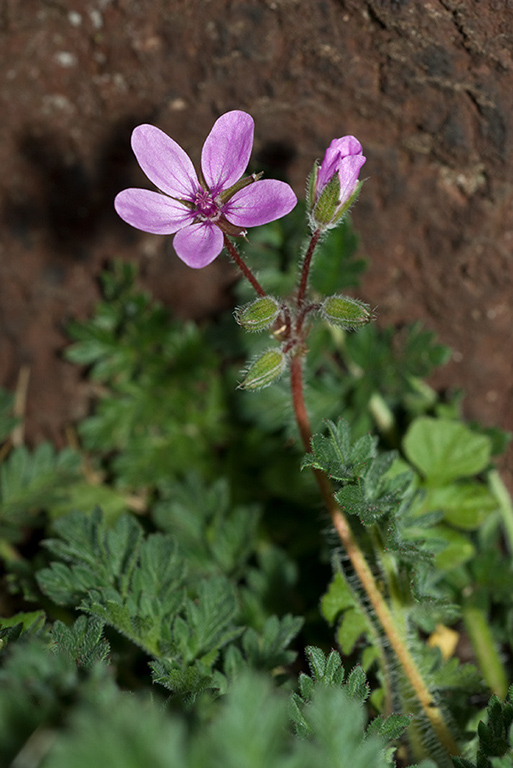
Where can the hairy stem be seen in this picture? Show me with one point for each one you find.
(243, 267)
(362, 570)
(307, 262)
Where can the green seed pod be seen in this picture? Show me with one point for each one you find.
(346, 312)
(259, 314)
(264, 370)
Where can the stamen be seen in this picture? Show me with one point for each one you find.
(206, 206)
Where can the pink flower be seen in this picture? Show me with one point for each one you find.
(345, 157)
(198, 210)
(336, 181)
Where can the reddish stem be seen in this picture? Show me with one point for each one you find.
(243, 267)
(303, 285)
(298, 400)
(301, 317)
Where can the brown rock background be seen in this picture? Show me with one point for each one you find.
(426, 86)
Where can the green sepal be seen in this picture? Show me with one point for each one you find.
(264, 370)
(311, 185)
(346, 312)
(348, 204)
(244, 182)
(328, 202)
(259, 314)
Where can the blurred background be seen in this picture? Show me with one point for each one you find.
(426, 87)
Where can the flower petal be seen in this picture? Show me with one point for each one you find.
(151, 211)
(164, 162)
(348, 171)
(260, 203)
(227, 149)
(199, 244)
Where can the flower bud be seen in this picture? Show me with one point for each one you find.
(334, 185)
(346, 312)
(264, 370)
(259, 314)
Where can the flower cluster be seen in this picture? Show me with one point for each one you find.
(199, 209)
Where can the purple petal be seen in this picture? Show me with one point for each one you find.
(164, 162)
(347, 145)
(227, 149)
(334, 155)
(151, 211)
(260, 203)
(199, 244)
(348, 172)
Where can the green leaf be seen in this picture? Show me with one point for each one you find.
(357, 686)
(268, 649)
(33, 482)
(444, 450)
(464, 505)
(354, 624)
(451, 547)
(337, 455)
(83, 641)
(210, 619)
(13, 627)
(133, 583)
(214, 535)
(83, 496)
(389, 728)
(337, 599)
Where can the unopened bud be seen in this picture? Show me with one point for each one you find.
(264, 370)
(259, 314)
(333, 185)
(346, 312)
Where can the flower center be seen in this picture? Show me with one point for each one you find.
(206, 206)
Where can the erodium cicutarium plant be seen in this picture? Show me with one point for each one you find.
(210, 209)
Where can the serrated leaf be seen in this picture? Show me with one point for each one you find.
(133, 584)
(316, 661)
(337, 456)
(269, 649)
(83, 641)
(357, 686)
(389, 728)
(34, 481)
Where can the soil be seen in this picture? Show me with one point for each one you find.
(426, 87)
